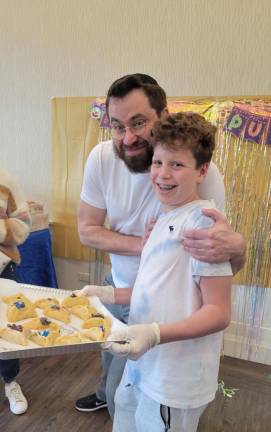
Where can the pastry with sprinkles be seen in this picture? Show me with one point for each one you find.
(57, 312)
(74, 300)
(14, 333)
(20, 310)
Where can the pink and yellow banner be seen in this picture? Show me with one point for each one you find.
(97, 109)
(251, 122)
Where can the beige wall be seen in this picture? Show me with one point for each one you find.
(77, 47)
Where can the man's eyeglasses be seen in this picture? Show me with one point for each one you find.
(118, 131)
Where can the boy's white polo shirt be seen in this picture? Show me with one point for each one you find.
(179, 374)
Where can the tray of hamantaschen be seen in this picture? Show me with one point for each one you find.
(40, 321)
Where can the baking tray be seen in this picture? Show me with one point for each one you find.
(9, 350)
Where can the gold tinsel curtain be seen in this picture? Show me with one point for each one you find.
(246, 167)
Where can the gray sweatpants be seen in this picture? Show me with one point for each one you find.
(136, 412)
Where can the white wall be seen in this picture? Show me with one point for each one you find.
(78, 47)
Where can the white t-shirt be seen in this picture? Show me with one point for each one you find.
(130, 201)
(179, 374)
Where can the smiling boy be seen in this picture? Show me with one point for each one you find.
(179, 305)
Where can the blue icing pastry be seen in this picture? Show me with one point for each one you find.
(19, 304)
(44, 333)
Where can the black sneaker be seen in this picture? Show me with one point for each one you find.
(90, 403)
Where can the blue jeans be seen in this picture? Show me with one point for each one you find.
(112, 366)
(9, 369)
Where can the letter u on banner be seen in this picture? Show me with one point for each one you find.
(255, 128)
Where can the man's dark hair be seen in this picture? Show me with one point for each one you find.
(186, 130)
(138, 81)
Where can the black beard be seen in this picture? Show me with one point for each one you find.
(138, 163)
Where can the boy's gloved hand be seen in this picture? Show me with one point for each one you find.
(105, 293)
(137, 339)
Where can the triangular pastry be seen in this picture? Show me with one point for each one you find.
(45, 337)
(41, 323)
(14, 333)
(57, 312)
(83, 312)
(74, 300)
(20, 310)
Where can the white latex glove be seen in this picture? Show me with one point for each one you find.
(137, 339)
(105, 293)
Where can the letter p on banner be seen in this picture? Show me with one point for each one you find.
(236, 122)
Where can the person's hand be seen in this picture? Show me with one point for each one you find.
(137, 339)
(104, 293)
(216, 244)
(147, 231)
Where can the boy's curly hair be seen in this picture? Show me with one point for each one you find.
(186, 130)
